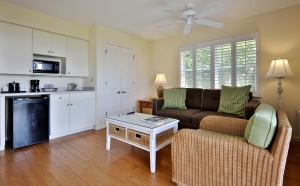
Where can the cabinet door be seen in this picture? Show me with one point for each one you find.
(41, 42)
(15, 49)
(82, 114)
(58, 45)
(77, 57)
(59, 117)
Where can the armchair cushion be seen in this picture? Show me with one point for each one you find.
(233, 99)
(262, 126)
(174, 98)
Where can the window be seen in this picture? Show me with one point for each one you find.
(230, 61)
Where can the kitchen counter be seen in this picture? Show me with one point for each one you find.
(3, 97)
(59, 91)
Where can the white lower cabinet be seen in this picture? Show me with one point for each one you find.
(71, 113)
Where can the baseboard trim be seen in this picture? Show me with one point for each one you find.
(70, 132)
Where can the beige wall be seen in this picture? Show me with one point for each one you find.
(279, 38)
(25, 17)
(142, 64)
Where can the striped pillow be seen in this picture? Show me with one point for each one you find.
(234, 99)
(174, 98)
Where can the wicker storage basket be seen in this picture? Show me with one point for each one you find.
(143, 139)
(117, 131)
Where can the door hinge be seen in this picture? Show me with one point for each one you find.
(106, 113)
(106, 51)
(133, 83)
(105, 82)
(133, 56)
(133, 108)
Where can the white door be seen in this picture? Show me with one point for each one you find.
(127, 80)
(77, 57)
(82, 114)
(113, 80)
(119, 69)
(41, 42)
(15, 49)
(58, 45)
(59, 117)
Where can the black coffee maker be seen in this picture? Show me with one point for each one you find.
(35, 85)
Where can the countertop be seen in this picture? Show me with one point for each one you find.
(59, 91)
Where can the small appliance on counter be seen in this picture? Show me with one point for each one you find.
(12, 88)
(35, 85)
(49, 88)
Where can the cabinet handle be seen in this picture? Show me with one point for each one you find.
(123, 91)
(49, 52)
(29, 70)
(71, 104)
(118, 92)
(52, 52)
(59, 97)
(67, 104)
(68, 72)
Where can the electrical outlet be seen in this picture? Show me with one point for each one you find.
(27, 81)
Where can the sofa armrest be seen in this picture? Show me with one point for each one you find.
(224, 125)
(250, 108)
(202, 157)
(157, 104)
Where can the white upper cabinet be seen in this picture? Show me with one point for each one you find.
(77, 57)
(15, 49)
(46, 43)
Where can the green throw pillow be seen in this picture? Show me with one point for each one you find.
(234, 99)
(174, 98)
(261, 127)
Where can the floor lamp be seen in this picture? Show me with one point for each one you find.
(279, 68)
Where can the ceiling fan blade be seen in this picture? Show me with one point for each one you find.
(173, 12)
(210, 11)
(187, 28)
(169, 24)
(210, 23)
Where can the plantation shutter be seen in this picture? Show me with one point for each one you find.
(223, 63)
(186, 67)
(247, 72)
(203, 66)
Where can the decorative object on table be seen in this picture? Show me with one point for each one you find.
(161, 80)
(190, 16)
(35, 85)
(49, 88)
(13, 87)
(72, 86)
(279, 68)
(154, 120)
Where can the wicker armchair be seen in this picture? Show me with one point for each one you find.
(219, 154)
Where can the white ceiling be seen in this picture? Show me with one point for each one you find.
(140, 17)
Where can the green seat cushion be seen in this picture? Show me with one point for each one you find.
(174, 98)
(234, 99)
(261, 127)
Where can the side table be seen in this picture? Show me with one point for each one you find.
(145, 104)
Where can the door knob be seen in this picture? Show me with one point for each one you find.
(118, 92)
(123, 91)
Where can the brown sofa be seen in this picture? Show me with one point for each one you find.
(199, 103)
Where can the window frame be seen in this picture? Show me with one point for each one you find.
(212, 44)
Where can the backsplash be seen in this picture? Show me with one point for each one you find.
(56, 81)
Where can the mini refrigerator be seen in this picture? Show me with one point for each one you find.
(28, 121)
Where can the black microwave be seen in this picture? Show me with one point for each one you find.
(42, 66)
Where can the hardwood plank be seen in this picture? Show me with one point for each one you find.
(82, 159)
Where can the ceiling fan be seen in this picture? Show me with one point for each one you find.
(191, 16)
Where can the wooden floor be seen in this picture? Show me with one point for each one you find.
(81, 159)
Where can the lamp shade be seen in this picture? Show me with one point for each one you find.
(160, 79)
(280, 68)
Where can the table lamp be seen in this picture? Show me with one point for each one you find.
(161, 80)
(279, 68)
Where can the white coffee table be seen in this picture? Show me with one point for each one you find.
(150, 137)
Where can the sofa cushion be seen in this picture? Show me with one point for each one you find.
(193, 98)
(199, 116)
(233, 99)
(211, 99)
(184, 116)
(174, 98)
(262, 126)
